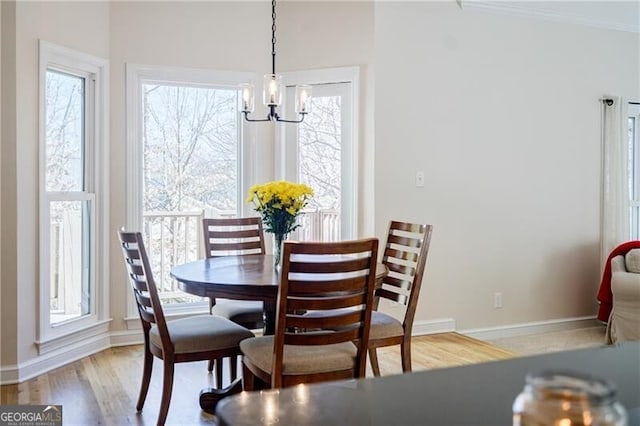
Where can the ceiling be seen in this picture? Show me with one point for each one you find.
(617, 15)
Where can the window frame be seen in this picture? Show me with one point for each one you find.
(633, 112)
(136, 76)
(285, 152)
(95, 72)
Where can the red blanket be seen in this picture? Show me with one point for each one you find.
(605, 298)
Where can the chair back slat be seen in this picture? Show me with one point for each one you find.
(405, 256)
(326, 278)
(392, 295)
(143, 300)
(301, 287)
(233, 236)
(326, 338)
(216, 232)
(404, 241)
(346, 265)
(135, 269)
(338, 320)
(337, 301)
(396, 282)
(139, 285)
(245, 247)
(409, 256)
(144, 286)
(400, 269)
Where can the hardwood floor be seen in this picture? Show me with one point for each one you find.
(102, 389)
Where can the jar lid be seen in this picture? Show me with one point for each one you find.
(570, 386)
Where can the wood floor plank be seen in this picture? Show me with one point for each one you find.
(102, 389)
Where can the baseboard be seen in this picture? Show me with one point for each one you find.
(12, 374)
(126, 338)
(27, 370)
(442, 325)
(492, 333)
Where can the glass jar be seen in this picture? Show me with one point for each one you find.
(561, 398)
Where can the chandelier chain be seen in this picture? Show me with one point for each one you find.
(273, 36)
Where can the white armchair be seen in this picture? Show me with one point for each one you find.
(624, 321)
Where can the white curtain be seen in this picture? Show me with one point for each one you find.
(615, 192)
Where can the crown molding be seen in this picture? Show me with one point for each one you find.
(545, 11)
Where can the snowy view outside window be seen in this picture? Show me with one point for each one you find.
(64, 179)
(319, 162)
(191, 149)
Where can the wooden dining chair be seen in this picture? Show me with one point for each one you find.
(332, 345)
(237, 237)
(405, 255)
(198, 338)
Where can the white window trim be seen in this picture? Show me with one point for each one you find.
(97, 69)
(136, 75)
(328, 76)
(633, 110)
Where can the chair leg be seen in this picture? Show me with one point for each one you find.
(373, 359)
(248, 379)
(146, 378)
(219, 365)
(167, 387)
(211, 364)
(233, 367)
(405, 349)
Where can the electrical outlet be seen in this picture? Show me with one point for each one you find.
(419, 179)
(497, 300)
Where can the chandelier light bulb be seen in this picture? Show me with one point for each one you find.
(248, 99)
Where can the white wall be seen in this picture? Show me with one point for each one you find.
(81, 26)
(502, 115)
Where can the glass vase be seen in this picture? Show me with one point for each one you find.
(278, 239)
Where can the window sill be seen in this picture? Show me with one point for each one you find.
(72, 337)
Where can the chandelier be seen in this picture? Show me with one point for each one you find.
(272, 88)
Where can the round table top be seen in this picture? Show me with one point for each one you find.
(249, 277)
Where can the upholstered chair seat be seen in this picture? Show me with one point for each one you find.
(383, 326)
(247, 313)
(300, 360)
(201, 333)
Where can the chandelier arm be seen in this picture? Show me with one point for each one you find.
(291, 121)
(254, 120)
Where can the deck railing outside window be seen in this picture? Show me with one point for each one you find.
(173, 238)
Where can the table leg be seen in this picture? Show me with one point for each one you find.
(209, 397)
(269, 318)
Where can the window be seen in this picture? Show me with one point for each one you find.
(72, 242)
(186, 163)
(321, 152)
(634, 168)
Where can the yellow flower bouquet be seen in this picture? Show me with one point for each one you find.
(279, 204)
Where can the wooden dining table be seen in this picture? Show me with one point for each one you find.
(246, 277)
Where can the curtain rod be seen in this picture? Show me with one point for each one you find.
(609, 102)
